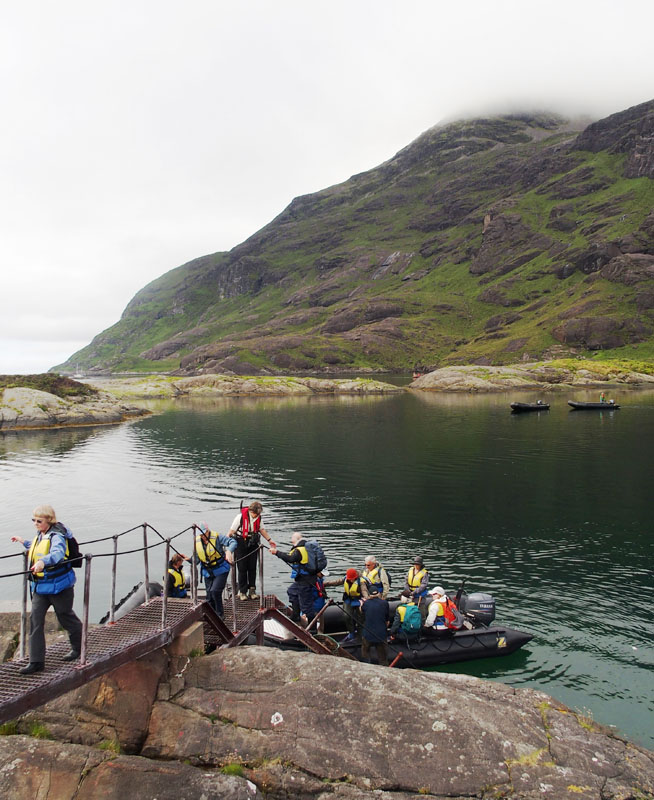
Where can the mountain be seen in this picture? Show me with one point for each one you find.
(484, 241)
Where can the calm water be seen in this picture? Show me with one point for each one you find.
(551, 513)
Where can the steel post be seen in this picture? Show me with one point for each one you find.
(85, 614)
(261, 592)
(145, 564)
(164, 601)
(23, 608)
(232, 574)
(114, 569)
(194, 571)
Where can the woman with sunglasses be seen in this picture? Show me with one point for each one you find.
(52, 579)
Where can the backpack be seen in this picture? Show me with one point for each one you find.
(412, 622)
(316, 555)
(75, 558)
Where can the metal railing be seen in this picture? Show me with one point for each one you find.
(89, 557)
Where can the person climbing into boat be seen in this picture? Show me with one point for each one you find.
(417, 580)
(320, 598)
(215, 552)
(306, 560)
(353, 589)
(374, 576)
(407, 622)
(175, 578)
(52, 580)
(376, 616)
(247, 530)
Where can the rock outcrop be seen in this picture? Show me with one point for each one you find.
(237, 386)
(543, 376)
(315, 727)
(22, 408)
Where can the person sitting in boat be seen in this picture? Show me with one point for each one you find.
(417, 580)
(407, 622)
(602, 397)
(443, 613)
(214, 551)
(353, 589)
(374, 576)
(376, 613)
(303, 573)
(175, 579)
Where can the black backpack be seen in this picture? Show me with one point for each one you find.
(75, 558)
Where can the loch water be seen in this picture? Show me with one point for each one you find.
(550, 512)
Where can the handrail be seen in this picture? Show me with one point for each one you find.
(147, 546)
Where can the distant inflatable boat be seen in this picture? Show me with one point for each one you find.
(579, 406)
(518, 408)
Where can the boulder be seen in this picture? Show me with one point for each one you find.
(37, 768)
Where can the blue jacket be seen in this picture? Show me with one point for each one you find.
(58, 534)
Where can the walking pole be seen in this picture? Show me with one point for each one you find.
(85, 615)
(145, 564)
(23, 610)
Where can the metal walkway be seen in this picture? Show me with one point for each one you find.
(136, 634)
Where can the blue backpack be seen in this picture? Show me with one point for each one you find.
(316, 555)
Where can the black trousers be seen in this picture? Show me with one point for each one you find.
(68, 619)
(247, 557)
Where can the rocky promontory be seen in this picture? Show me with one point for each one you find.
(544, 376)
(219, 385)
(24, 408)
(260, 722)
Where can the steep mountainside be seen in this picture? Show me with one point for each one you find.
(486, 241)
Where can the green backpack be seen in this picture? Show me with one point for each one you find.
(412, 622)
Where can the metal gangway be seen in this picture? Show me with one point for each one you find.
(148, 627)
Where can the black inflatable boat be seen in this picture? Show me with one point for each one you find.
(483, 640)
(518, 408)
(579, 406)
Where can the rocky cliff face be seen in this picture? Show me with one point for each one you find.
(410, 261)
(304, 726)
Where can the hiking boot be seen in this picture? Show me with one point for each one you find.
(253, 593)
(73, 655)
(242, 596)
(33, 666)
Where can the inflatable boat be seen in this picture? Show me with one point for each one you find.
(484, 639)
(518, 408)
(579, 406)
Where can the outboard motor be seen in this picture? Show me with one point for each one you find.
(479, 605)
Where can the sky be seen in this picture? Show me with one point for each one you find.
(140, 135)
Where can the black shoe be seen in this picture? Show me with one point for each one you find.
(33, 666)
(73, 655)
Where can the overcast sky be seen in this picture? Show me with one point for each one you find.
(139, 135)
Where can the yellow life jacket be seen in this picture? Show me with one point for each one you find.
(210, 552)
(41, 547)
(373, 577)
(414, 579)
(353, 589)
(300, 568)
(179, 581)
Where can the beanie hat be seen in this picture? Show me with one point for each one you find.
(351, 575)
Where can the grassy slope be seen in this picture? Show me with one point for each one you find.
(403, 206)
